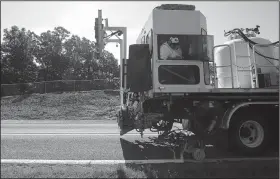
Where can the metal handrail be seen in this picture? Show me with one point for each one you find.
(252, 64)
(254, 61)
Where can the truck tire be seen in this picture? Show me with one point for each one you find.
(124, 123)
(249, 136)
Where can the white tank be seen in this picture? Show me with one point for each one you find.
(241, 63)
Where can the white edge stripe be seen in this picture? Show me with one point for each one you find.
(112, 162)
(97, 134)
(86, 162)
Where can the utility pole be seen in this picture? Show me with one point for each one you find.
(99, 33)
(100, 30)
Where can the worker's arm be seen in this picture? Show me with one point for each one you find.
(164, 52)
(179, 54)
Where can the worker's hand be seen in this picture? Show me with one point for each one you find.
(179, 57)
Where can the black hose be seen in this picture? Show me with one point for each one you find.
(265, 57)
(239, 32)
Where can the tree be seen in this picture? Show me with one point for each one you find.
(55, 55)
(82, 57)
(108, 65)
(52, 53)
(17, 56)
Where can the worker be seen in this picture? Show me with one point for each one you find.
(171, 49)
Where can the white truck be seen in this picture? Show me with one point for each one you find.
(231, 90)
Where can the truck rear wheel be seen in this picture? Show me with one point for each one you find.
(249, 136)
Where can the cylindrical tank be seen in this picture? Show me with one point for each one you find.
(241, 64)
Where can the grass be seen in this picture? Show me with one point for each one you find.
(244, 169)
(68, 171)
(89, 105)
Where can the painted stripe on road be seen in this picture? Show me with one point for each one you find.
(71, 134)
(86, 162)
(113, 162)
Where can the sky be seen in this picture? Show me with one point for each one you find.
(78, 17)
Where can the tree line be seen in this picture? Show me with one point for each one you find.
(53, 55)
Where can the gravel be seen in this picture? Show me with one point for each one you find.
(89, 105)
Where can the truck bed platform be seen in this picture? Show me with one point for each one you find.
(250, 94)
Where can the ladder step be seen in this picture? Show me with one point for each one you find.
(244, 70)
(243, 56)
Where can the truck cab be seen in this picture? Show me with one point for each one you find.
(191, 71)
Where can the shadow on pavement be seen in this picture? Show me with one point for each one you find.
(155, 149)
(143, 150)
(241, 169)
(151, 149)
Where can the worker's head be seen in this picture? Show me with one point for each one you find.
(173, 42)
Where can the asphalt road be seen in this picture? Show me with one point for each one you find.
(82, 140)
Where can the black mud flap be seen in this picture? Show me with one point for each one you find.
(139, 74)
(124, 122)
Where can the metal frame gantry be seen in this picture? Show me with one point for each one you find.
(123, 47)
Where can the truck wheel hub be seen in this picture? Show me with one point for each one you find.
(251, 134)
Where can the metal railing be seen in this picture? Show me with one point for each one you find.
(255, 63)
(252, 64)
